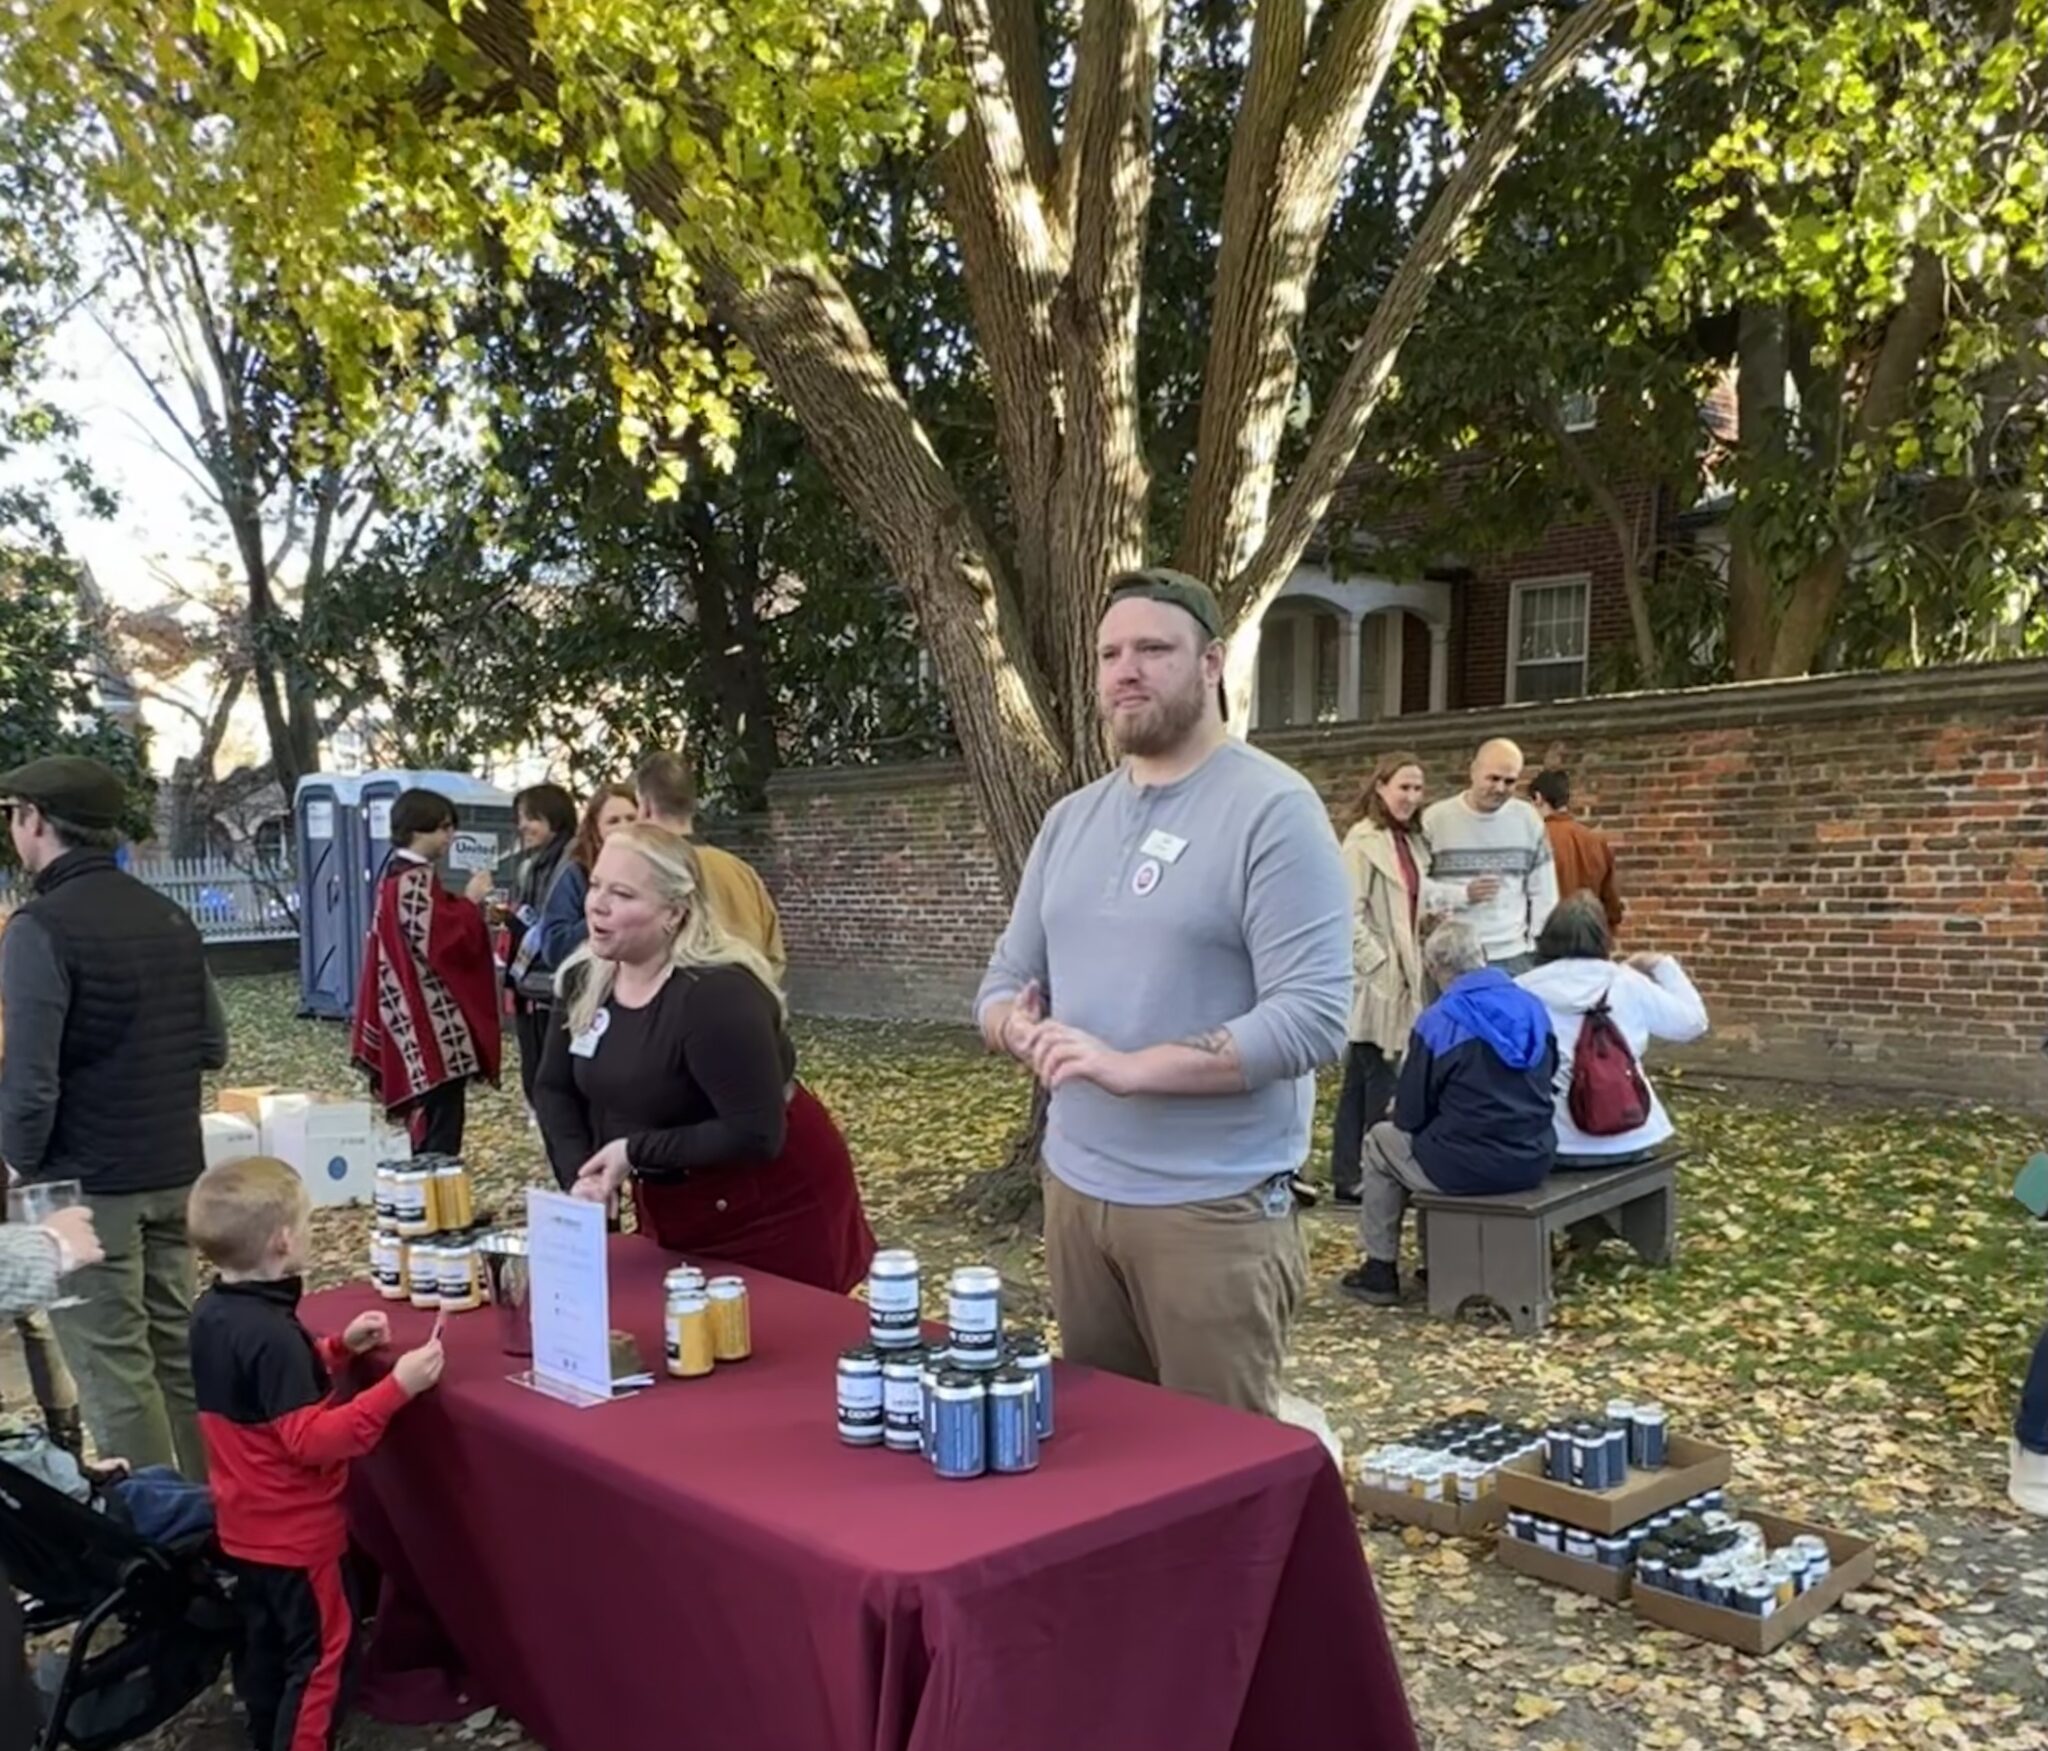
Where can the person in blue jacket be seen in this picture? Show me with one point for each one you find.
(561, 930)
(1473, 1109)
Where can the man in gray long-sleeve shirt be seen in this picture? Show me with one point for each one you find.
(1177, 964)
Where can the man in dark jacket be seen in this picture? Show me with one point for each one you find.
(110, 1018)
(1474, 1108)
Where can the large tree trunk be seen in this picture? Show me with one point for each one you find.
(1334, 447)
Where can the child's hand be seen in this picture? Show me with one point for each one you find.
(419, 1369)
(367, 1331)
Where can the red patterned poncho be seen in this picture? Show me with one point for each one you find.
(426, 1006)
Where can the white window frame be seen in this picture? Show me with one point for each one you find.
(1584, 580)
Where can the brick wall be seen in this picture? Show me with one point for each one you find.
(1855, 869)
(1479, 672)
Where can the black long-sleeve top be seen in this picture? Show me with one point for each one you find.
(697, 1077)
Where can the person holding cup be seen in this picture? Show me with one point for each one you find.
(110, 1020)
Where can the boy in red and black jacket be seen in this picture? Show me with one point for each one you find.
(278, 1445)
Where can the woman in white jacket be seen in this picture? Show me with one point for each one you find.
(1648, 996)
(1387, 862)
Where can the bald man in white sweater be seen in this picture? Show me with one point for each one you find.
(1490, 861)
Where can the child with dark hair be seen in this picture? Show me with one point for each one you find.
(426, 1019)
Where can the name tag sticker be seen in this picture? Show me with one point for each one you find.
(584, 1045)
(1145, 877)
(1162, 844)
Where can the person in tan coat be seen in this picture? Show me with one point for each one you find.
(1387, 860)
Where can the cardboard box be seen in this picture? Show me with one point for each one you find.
(1563, 1571)
(247, 1102)
(1452, 1519)
(334, 1146)
(228, 1137)
(1693, 1466)
(1855, 1562)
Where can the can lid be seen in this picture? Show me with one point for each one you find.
(955, 1381)
(894, 1261)
(902, 1367)
(726, 1289)
(860, 1356)
(977, 1277)
(736, 1282)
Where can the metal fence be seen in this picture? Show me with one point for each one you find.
(230, 902)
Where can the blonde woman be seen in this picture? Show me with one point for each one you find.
(670, 1066)
(1387, 860)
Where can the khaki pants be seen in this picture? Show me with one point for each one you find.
(1388, 1172)
(128, 1341)
(49, 1376)
(1196, 1297)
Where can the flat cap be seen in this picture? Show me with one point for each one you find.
(71, 787)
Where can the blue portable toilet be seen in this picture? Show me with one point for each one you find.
(342, 824)
(486, 838)
(327, 827)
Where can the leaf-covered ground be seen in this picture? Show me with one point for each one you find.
(1853, 1299)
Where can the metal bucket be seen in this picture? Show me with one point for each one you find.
(511, 1286)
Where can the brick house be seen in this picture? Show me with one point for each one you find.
(1342, 644)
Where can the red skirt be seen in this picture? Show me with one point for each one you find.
(798, 1216)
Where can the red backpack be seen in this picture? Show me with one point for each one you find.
(1608, 1094)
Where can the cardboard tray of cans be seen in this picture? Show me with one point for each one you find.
(1691, 1468)
(1452, 1519)
(1853, 1562)
(1599, 1579)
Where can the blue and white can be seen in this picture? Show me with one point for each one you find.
(1647, 1436)
(936, 1360)
(895, 1302)
(902, 1404)
(1012, 1421)
(1028, 1350)
(860, 1398)
(959, 1426)
(974, 1317)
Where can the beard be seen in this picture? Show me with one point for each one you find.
(1160, 725)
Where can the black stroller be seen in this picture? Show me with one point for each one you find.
(171, 1605)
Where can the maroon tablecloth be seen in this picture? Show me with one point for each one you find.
(705, 1565)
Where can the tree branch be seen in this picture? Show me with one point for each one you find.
(1287, 157)
(1887, 398)
(1014, 262)
(1019, 40)
(1452, 216)
(1626, 529)
(799, 322)
(1098, 516)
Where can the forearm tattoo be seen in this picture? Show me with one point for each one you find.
(1215, 1042)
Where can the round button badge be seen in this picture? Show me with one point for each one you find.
(1145, 877)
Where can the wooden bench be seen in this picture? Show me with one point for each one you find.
(1497, 1248)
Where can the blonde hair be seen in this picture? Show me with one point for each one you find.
(238, 1208)
(585, 981)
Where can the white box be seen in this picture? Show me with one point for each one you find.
(278, 1122)
(228, 1137)
(338, 1147)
